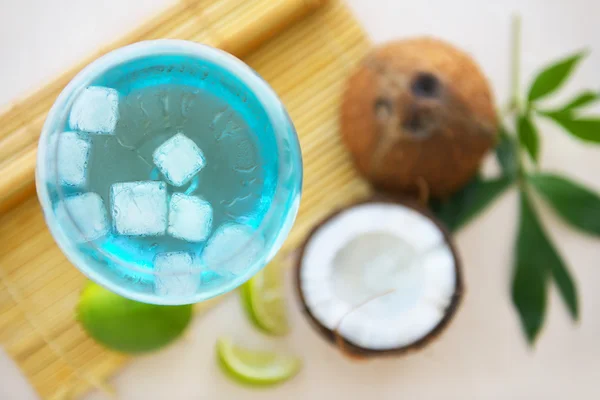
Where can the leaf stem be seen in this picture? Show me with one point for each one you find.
(515, 103)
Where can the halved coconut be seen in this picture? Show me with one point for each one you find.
(379, 277)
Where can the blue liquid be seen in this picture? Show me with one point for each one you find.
(162, 95)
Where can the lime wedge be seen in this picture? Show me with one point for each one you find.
(245, 298)
(129, 326)
(256, 367)
(264, 301)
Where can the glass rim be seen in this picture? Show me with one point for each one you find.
(267, 99)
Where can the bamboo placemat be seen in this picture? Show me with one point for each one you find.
(306, 63)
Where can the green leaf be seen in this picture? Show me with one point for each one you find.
(566, 286)
(506, 154)
(553, 77)
(528, 136)
(563, 195)
(566, 113)
(576, 204)
(581, 100)
(587, 129)
(537, 260)
(530, 276)
(465, 205)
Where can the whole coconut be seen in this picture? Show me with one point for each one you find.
(418, 112)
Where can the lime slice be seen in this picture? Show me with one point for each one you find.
(129, 326)
(264, 301)
(256, 367)
(245, 298)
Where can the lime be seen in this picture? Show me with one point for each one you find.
(129, 326)
(245, 298)
(263, 299)
(256, 367)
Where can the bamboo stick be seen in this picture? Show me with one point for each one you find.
(10, 320)
(24, 136)
(81, 356)
(334, 201)
(17, 217)
(65, 295)
(19, 256)
(16, 181)
(18, 327)
(22, 225)
(285, 51)
(21, 276)
(30, 342)
(202, 20)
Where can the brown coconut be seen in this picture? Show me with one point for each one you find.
(418, 113)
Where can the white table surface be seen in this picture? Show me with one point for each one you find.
(483, 355)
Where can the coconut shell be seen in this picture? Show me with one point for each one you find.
(357, 352)
(418, 111)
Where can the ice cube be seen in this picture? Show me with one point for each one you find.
(179, 159)
(175, 274)
(95, 110)
(84, 216)
(232, 248)
(139, 208)
(72, 152)
(190, 218)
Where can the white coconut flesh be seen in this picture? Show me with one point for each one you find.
(380, 275)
